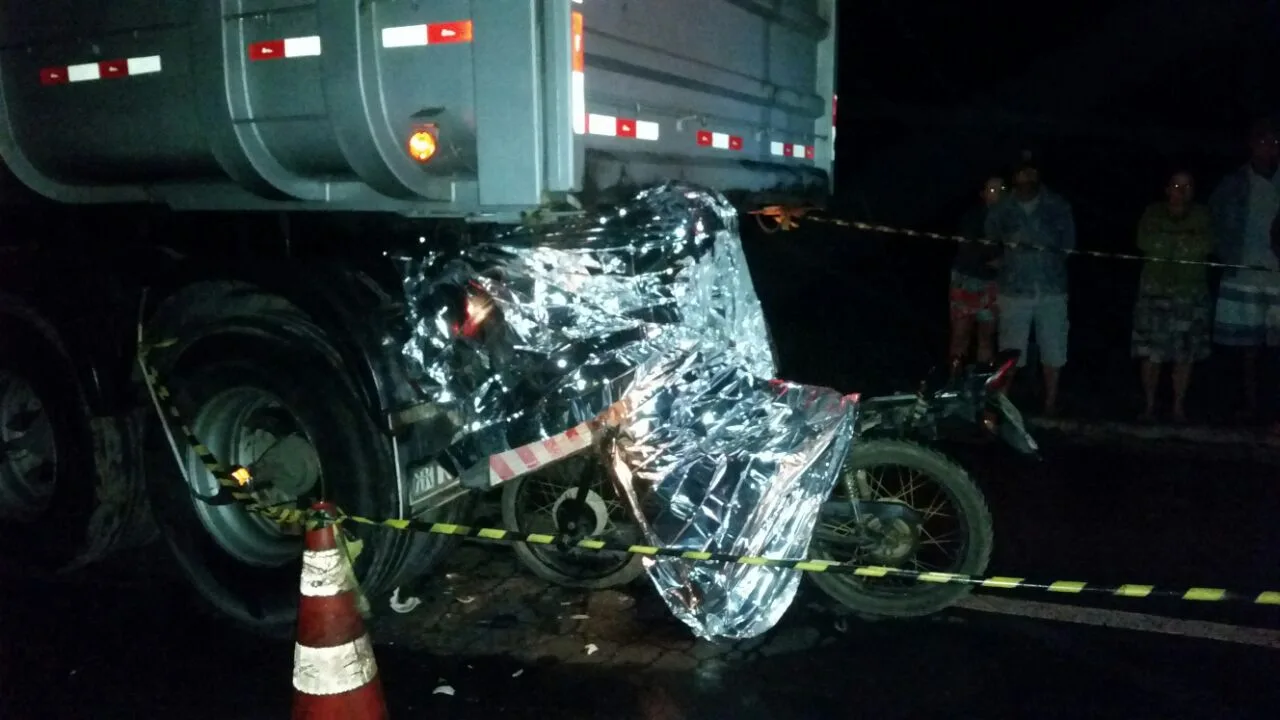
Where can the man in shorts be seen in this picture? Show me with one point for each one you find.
(1243, 207)
(1036, 225)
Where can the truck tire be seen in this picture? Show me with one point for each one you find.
(47, 491)
(255, 367)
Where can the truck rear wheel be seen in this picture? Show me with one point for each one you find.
(46, 455)
(246, 388)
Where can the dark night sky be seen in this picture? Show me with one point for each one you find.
(935, 95)
(909, 67)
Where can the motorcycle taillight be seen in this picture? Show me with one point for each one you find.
(478, 311)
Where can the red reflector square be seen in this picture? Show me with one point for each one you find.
(789, 150)
(809, 154)
(450, 32)
(53, 76)
(626, 128)
(527, 457)
(704, 137)
(113, 68)
(735, 142)
(266, 50)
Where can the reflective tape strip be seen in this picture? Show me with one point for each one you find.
(526, 456)
(525, 459)
(324, 574)
(579, 103)
(144, 65)
(719, 140)
(499, 470)
(610, 126)
(103, 70)
(444, 33)
(544, 451)
(578, 77)
(334, 670)
(792, 150)
(83, 72)
(294, 47)
(449, 32)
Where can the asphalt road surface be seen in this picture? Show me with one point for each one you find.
(492, 641)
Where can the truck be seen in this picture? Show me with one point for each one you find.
(231, 177)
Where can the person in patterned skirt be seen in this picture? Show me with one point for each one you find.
(1173, 317)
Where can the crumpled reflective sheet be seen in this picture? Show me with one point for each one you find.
(651, 303)
(579, 309)
(716, 459)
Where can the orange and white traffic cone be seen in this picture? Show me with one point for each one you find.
(334, 674)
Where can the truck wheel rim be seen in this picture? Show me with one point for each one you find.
(29, 461)
(240, 426)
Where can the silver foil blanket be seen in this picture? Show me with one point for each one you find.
(522, 336)
(718, 460)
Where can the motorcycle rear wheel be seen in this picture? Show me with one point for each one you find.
(882, 597)
(574, 568)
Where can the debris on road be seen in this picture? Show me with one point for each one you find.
(443, 690)
(592, 649)
(406, 606)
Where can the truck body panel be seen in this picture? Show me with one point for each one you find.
(311, 104)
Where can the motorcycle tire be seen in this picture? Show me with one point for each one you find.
(860, 595)
(551, 564)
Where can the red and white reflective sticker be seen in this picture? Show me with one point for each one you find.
(719, 140)
(578, 76)
(527, 458)
(294, 47)
(106, 69)
(445, 33)
(610, 126)
(792, 150)
(834, 98)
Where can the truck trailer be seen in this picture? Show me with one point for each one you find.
(233, 176)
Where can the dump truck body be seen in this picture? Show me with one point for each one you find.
(450, 108)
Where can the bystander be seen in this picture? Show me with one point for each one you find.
(1037, 226)
(1243, 207)
(973, 293)
(1173, 314)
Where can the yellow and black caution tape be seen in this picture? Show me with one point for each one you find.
(233, 482)
(238, 483)
(788, 218)
(1199, 594)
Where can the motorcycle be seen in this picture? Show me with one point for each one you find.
(865, 521)
(973, 398)
(901, 504)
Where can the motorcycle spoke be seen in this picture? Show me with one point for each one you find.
(934, 511)
(939, 540)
